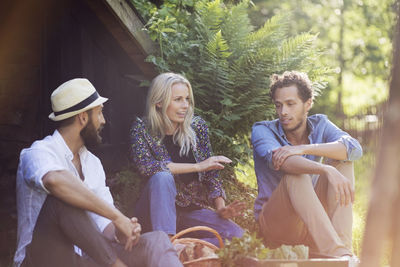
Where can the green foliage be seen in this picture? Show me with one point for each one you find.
(228, 63)
(125, 187)
(251, 246)
(248, 245)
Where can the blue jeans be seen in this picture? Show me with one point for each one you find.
(156, 211)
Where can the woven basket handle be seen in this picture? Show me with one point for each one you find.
(199, 228)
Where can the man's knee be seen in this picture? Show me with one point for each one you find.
(346, 168)
(156, 239)
(55, 206)
(291, 180)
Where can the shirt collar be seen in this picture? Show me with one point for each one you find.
(310, 126)
(67, 152)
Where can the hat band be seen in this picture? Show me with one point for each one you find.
(84, 103)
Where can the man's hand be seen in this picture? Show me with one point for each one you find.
(212, 163)
(127, 231)
(137, 229)
(232, 210)
(281, 154)
(343, 189)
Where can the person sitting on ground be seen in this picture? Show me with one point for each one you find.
(171, 148)
(64, 206)
(300, 199)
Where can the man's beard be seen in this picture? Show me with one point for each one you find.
(297, 126)
(90, 135)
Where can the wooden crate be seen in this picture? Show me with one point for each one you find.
(251, 262)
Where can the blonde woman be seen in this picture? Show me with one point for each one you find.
(171, 148)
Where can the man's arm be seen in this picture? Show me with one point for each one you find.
(334, 150)
(68, 188)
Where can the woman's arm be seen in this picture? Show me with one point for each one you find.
(142, 155)
(212, 163)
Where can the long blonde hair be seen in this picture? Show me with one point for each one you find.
(156, 116)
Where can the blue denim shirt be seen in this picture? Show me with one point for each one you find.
(268, 135)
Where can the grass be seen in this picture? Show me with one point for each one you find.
(363, 169)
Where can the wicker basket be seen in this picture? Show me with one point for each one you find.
(208, 261)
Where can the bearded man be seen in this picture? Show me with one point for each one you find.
(66, 215)
(302, 199)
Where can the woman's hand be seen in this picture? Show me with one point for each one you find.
(212, 163)
(232, 210)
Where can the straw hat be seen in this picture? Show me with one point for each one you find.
(74, 97)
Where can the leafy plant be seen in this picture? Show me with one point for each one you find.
(249, 245)
(125, 187)
(246, 246)
(228, 63)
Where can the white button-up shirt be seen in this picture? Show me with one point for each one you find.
(51, 154)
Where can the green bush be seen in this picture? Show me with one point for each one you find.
(228, 62)
(125, 187)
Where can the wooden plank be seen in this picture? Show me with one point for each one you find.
(121, 21)
(246, 262)
(132, 23)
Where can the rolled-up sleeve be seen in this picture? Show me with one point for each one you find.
(215, 188)
(264, 142)
(333, 133)
(141, 153)
(35, 164)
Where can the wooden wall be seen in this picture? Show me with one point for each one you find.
(43, 44)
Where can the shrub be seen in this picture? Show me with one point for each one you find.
(125, 187)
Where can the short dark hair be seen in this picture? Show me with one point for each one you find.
(288, 78)
(68, 121)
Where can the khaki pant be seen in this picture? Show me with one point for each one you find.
(298, 213)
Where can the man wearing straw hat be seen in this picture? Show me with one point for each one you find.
(64, 206)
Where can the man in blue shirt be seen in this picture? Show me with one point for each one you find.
(302, 199)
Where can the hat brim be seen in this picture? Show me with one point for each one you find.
(64, 116)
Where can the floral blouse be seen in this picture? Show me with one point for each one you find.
(150, 156)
